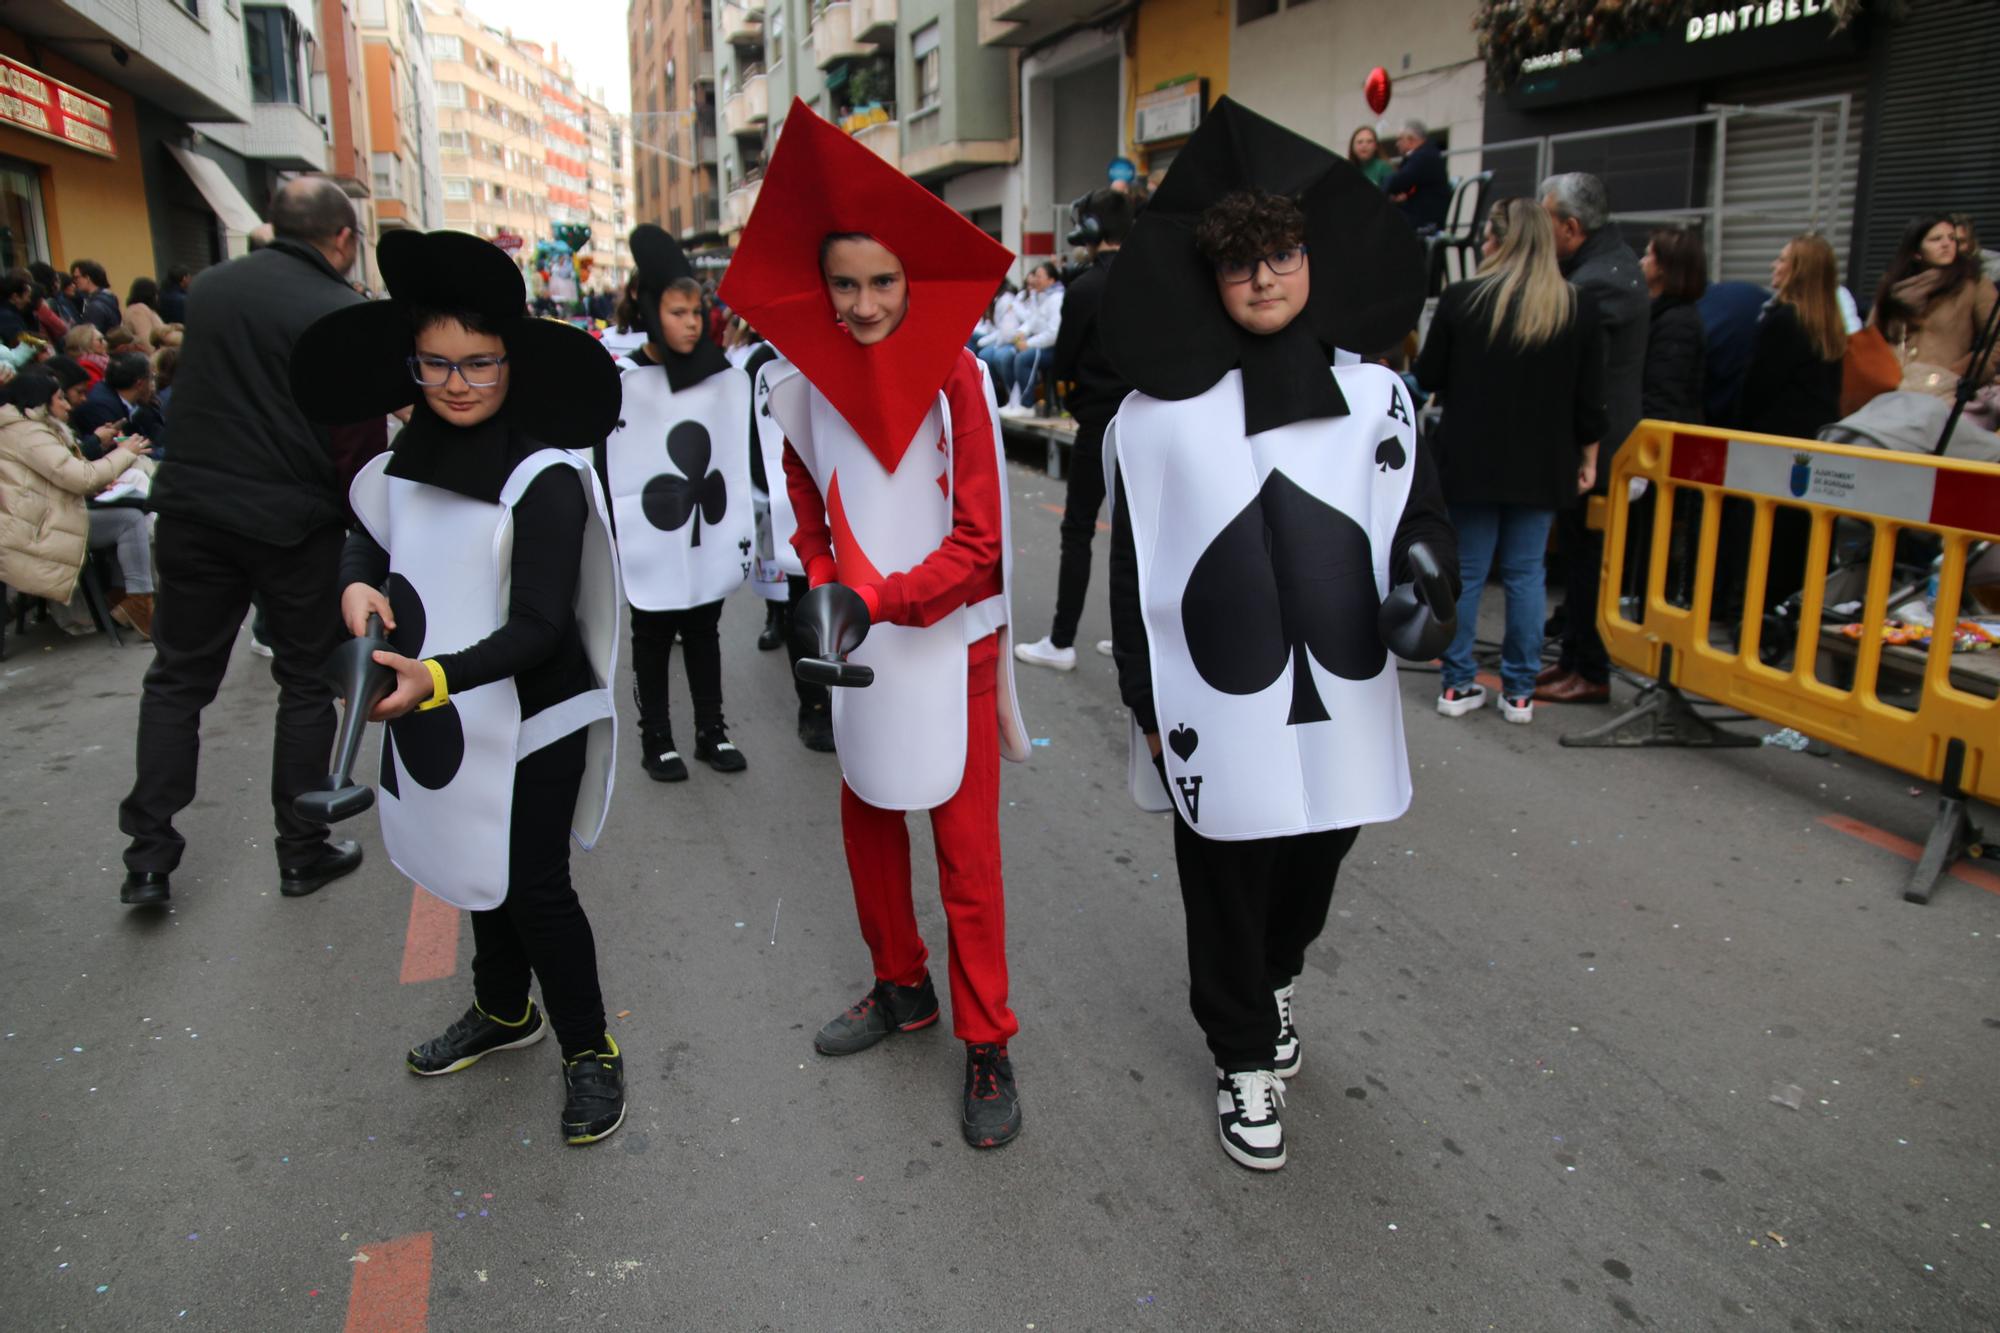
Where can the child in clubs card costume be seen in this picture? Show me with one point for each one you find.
(869, 286)
(485, 550)
(679, 484)
(1276, 536)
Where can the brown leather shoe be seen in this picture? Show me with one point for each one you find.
(1574, 690)
(135, 612)
(1551, 673)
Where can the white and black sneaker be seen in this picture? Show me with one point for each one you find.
(1290, 1054)
(1246, 1109)
(1458, 700)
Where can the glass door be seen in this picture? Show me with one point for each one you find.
(24, 235)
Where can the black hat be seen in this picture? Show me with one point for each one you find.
(661, 261)
(1163, 323)
(353, 364)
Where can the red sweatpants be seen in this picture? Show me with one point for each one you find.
(966, 830)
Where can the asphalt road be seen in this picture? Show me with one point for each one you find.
(1543, 1035)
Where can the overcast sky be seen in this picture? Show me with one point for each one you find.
(590, 34)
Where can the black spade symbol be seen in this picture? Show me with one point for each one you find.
(1288, 576)
(1390, 454)
(1182, 741)
(432, 743)
(698, 494)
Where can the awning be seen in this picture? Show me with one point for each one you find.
(238, 218)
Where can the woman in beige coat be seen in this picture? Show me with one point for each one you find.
(46, 526)
(142, 314)
(1932, 303)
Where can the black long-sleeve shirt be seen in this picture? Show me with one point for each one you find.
(1424, 519)
(1079, 351)
(538, 645)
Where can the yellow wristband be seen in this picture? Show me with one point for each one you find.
(440, 696)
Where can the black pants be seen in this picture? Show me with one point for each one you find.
(1252, 908)
(812, 698)
(1079, 524)
(207, 579)
(541, 928)
(653, 652)
(1583, 569)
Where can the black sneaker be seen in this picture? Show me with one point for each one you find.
(883, 1011)
(712, 747)
(594, 1105)
(662, 762)
(145, 888)
(336, 858)
(1290, 1054)
(816, 728)
(774, 627)
(1246, 1110)
(474, 1036)
(992, 1103)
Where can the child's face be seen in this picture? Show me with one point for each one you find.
(870, 293)
(1266, 302)
(681, 322)
(478, 355)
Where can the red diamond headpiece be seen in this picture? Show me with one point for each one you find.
(820, 181)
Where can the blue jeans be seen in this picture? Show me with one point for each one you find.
(1000, 364)
(1027, 367)
(1513, 537)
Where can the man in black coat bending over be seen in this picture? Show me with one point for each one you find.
(1079, 357)
(253, 501)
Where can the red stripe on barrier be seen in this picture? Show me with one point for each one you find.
(1966, 500)
(1699, 458)
(392, 1290)
(1909, 851)
(430, 947)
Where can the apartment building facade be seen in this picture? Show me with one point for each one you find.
(675, 155)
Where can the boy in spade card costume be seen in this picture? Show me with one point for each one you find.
(893, 465)
(679, 485)
(1277, 537)
(484, 547)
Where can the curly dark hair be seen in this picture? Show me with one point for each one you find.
(1243, 227)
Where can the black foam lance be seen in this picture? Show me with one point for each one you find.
(1419, 618)
(831, 621)
(363, 682)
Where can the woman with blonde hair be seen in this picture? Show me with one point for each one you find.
(1792, 385)
(1513, 356)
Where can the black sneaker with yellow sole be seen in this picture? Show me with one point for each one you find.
(474, 1036)
(594, 1101)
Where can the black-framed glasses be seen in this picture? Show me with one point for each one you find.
(1280, 262)
(478, 372)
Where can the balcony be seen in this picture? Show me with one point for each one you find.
(738, 203)
(281, 134)
(704, 68)
(1026, 22)
(705, 149)
(742, 25)
(884, 138)
(875, 20)
(749, 107)
(833, 35)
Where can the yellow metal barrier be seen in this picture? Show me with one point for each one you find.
(1950, 736)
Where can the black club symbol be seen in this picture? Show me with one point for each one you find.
(698, 494)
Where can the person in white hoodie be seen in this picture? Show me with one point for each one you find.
(1041, 321)
(993, 339)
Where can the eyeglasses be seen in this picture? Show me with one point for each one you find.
(478, 372)
(1280, 262)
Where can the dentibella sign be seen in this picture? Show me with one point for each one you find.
(1743, 18)
(32, 101)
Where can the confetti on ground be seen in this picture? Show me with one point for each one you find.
(624, 1013)
(1040, 740)
(1782, 1243)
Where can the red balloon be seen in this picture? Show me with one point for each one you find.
(1376, 89)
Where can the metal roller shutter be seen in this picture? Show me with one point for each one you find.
(1767, 165)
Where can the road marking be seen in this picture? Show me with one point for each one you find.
(1058, 509)
(430, 948)
(392, 1291)
(1909, 851)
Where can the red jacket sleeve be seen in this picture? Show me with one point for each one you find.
(811, 539)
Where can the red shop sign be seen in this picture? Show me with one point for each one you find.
(51, 108)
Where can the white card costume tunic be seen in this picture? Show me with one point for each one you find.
(679, 484)
(901, 740)
(1262, 563)
(776, 559)
(447, 784)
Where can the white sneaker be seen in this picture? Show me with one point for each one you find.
(1015, 411)
(260, 648)
(1518, 710)
(1045, 654)
(1104, 647)
(1246, 1112)
(1290, 1054)
(1454, 701)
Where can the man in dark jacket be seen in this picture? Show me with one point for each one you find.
(94, 296)
(1607, 273)
(252, 503)
(126, 381)
(1079, 357)
(173, 294)
(1421, 186)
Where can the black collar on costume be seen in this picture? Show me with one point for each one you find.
(683, 372)
(473, 461)
(1286, 378)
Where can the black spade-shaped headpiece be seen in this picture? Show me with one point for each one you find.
(660, 261)
(353, 364)
(1163, 323)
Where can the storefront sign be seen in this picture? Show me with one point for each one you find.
(1743, 18)
(31, 100)
(1170, 113)
(508, 242)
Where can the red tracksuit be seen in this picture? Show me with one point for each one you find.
(963, 571)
